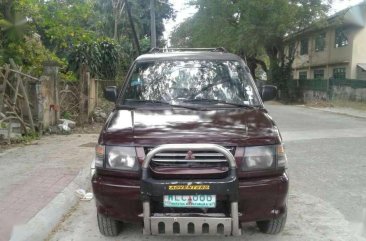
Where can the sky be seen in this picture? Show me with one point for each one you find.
(184, 11)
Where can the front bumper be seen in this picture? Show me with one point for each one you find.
(259, 198)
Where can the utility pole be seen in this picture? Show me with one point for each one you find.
(152, 25)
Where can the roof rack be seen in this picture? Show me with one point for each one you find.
(162, 50)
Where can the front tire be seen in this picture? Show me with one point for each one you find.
(273, 226)
(108, 226)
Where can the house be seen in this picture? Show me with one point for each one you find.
(333, 49)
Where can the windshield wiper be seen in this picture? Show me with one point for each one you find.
(157, 102)
(218, 102)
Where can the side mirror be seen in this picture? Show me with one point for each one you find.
(110, 93)
(268, 92)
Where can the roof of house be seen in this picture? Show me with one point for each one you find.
(354, 15)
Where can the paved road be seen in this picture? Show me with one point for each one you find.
(31, 176)
(327, 198)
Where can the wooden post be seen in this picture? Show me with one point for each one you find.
(25, 95)
(16, 89)
(10, 130)
(57, 101)
(82, 108)
(2, 95)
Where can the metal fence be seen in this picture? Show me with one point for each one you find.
(327, 89)
(325, 84)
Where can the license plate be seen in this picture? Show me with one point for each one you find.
(190, 201)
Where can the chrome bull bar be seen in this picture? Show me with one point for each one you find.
(182, 224)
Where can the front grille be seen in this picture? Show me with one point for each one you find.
(195, 161)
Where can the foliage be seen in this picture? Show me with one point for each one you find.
(75, 32)
(28, 138)
(64, 24)
(140, 10)
(252, 29)
(18, 38)
(100, 56)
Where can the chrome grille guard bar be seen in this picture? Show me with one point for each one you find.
(224, 186)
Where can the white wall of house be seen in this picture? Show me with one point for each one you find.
(359, 51)
(331, 57)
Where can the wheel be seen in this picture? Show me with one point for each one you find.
(273, 226)
(108, 226)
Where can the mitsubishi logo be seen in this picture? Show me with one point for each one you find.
(190, 155)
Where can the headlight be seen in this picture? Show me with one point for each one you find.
(121, 158)
(116, 157)
(263, 157)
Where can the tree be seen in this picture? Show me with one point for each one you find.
(252, 29)
(32, 31)
(64, 24)
(140, 16)
(18, 37)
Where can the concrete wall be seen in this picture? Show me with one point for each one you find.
(337, 93)
(348, 93)
(92, 96)
(47, 90)
(312, 95)
(359, 52)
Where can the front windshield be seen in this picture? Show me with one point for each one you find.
(203, 82)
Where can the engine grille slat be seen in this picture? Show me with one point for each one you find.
(215, 162)
(184, 160)
(208, 154)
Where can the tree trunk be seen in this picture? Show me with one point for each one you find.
(8, 10)
(134, 35)
(115, 35)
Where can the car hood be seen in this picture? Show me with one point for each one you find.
(151, 127)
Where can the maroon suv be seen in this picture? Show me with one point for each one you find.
(190, 149)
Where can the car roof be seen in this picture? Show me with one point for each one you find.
(188, 55)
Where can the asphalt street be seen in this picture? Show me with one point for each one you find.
(327, 167)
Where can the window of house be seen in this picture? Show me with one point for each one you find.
(304, 46)
(291, 49)
(339, 73)
(320, 42)
(341, 37)
(303, 75)
(318, 73)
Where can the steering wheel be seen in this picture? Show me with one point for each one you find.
(207, 87)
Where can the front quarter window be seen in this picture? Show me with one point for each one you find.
(175, 81)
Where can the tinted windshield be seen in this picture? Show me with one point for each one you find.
(193, 81)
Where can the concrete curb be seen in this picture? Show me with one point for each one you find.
(42, 224)
(335, 112)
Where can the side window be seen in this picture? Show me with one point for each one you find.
(320, 42)
(303, 75)
(339, 73)
(304, 46)
(318, 73)
(341, 37)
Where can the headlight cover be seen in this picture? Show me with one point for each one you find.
(263, 158)
(121, 158)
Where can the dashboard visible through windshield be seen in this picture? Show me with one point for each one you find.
(191, 82)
